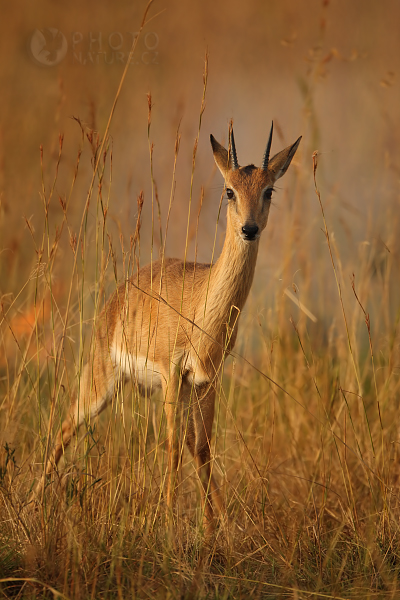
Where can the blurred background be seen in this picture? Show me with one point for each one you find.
(326, 70)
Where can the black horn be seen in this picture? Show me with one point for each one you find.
(265, 161)
(232, 150)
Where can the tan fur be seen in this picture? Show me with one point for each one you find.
(173, 325)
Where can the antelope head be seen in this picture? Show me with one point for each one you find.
(249, 189)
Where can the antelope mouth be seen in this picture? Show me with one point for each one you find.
(250, 237)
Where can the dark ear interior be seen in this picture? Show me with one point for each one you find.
(278, 164)
(220, 155)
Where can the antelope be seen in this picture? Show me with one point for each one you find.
(172, 326)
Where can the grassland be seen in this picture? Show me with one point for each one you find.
(306, 432)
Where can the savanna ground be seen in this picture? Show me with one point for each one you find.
(306, 444)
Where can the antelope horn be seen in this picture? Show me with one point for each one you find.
(232, 150)
(265, 161)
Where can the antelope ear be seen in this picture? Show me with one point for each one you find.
(220, 156)
(278, 165)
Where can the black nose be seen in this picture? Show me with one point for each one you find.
(250, 232)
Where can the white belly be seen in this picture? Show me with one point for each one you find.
(139, 368)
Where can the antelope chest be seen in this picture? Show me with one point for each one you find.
(194, 371)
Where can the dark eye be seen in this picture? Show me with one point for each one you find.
(230, 193)
(268, 194)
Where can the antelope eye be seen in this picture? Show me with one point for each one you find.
(230, 193)
(268, 194)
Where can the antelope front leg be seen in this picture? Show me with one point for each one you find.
(174, 445)
(199, 440)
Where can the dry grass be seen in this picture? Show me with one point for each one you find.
(306, 434)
